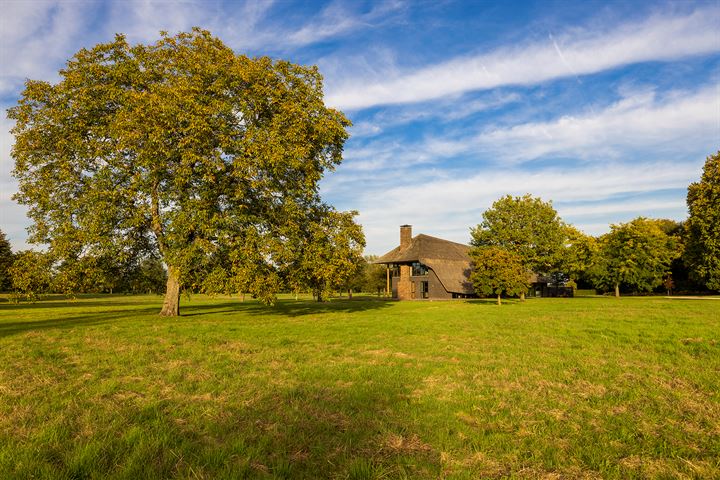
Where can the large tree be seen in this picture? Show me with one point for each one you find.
(181, 145)
(702, 234)
(637, 254)
(526, 226)
(496, 271)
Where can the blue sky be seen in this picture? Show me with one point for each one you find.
(606, 108)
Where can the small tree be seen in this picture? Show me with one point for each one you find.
(637, 254)
(6, 260)
(31, 273)
(496, 271)
(375, 279)
(86, 274)
(526, 226)
(702, 229)
(329, 253)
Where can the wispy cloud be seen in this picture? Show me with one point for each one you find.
(338, 19)
(442, 110)
(673, 123)
(35, 38)
(677, 122)
(453, 205)
(659, 38)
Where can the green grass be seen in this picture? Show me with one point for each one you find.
(586, 387)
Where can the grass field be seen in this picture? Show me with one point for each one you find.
(550, 388)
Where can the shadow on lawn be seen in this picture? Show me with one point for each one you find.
(65, 319)
(67, 322)
(289, 308)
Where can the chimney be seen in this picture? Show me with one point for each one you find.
(405, 235)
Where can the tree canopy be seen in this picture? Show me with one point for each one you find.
(31, 273)
(578, 253)
(497, 271)
(702, 252)
(525, 225)
(182, 148)
(636, 254)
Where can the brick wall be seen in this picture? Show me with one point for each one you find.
(404, 291)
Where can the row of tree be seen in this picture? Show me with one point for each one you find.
(519, 235)
(330, 261)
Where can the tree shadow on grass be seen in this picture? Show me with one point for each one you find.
(65, 320)
(287, 308)
(74, 321)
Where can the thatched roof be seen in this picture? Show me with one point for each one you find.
(449, 260)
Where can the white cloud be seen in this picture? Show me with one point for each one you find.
(659, 38)
(450, 206)
(673, 123)
(35, 38)
(619, 207)
(443, 111)
(336, 19)
(676, 123)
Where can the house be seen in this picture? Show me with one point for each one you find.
(425, 267)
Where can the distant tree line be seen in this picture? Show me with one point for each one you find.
(520, 237)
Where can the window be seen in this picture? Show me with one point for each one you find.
(424, 289)
(394, 270)
(419, 270)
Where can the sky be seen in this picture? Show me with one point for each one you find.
(606, 108)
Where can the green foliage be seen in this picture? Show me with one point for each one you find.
(180, 148)
(85, 274)
(526, 226)
(578, 254)
(148, 277)
(6, 260)
(496, 271)
(702, 229)
(636, 254)
(31, 273)
(329, 254)
(375, 278)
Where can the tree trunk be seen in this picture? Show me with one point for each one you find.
(499, 303)
(617, 290)
(522, 296)
(171, 305)
(349, 293)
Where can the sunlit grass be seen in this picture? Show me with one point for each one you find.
(585, 387)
